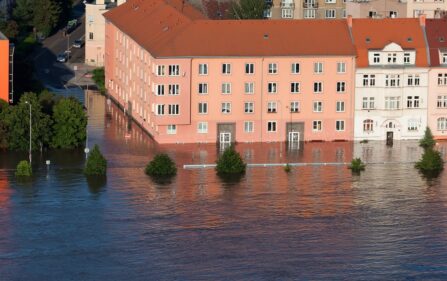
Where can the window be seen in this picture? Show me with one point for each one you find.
(295, 68)
(442, 124)
(340, 106)
(174, 70)
(174, 89)
(392, 80)
(90, 35)
(442, 79)
(368, 103)
(273, 68)
(249, 107)
(203, 88)
(294, 87)
(226, 68)
(160, 90)
(203, 108)
(173, 109)
(442, 102)
(330, 1)
(226, 88)
(372, 14)
(309, 13)
(271, 126)
(249, 68)
(271, 107)
(202, 127)
(249, 87)
(318, 67)
(393, 14)
(318, 87)
(413, 102)
(271, 87)
(226, 107)
(340, 125)
(248, 126)
(444, 58)
(160, 70)
(413, 125)
(341, 87)
(203, 69)
(171, 129)
(368, 125)
(413, 80)
(318, 106)
(376, 58)
(317, 125)
(287, 13)
(160, 109)
(330, 14)
(392, 57)
(294, 106)
(392, 103)
(341, 67)
(267, 13)
(369, 80)
(406, 58)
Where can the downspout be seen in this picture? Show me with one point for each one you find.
(262, 93)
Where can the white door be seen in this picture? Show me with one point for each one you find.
(225, 138)
(294, 137)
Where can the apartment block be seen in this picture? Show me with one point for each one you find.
(4, 67)
(392, 77)
(305, 9)
(188, 80)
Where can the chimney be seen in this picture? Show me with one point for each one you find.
(422, 18)
(349, 21)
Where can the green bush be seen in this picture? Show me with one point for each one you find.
(99, 78)
(161, 166)
(96, 164)
(431, 162)
(427, 141)
(357, 165)
(287, 168)
(230, 163)
(24, 169)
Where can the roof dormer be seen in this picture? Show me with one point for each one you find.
(391, 55)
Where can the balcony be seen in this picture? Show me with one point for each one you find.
(310, 5)
(287, 4)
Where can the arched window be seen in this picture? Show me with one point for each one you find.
(368, 125)
(442, 123)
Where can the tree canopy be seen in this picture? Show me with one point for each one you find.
(248, 9)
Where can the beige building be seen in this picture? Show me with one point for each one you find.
(396, 8)
(306, 9)
(95, 29)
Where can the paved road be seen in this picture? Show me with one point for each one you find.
(55, 75)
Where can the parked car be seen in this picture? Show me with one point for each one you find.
(62, 57)
(78, 43)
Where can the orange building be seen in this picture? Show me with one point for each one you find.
(4, 67)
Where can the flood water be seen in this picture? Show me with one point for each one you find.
(315, 223)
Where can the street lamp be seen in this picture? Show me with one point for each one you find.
(30, 132)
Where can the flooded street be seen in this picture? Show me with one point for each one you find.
(315, 223)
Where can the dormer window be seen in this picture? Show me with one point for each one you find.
(392, 58)
(376, 58)
(444, 58)
(406, 58)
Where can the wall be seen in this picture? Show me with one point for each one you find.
(4, 68)
(434, 112)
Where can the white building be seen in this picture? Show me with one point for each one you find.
(391, 94)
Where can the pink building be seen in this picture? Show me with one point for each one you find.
(186, 79)
(436, 30)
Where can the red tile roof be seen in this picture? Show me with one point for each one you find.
(167, 32)
(436, 30)
(381, 32)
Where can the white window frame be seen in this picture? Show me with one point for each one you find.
(249, 88)
(225, 107)
(295, 87)
(318, 87)
(340, 125)
(341, 67)
(226, 88)
(272, 126)
(249, 68)
(226, 68)
(340, 106)
(171, 129)
(202, 108)
(317, 125)
(202, 88)
(249, 126)
(272, 87)
(295, 68)
(202, 127)
(273, 68)
(249, 107)
(294, 107)
(317, 106)
(318, 67)
(203, 69)
(341, 87)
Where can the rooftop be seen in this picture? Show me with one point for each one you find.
(437, 38)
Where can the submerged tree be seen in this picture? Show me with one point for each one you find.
(230, 163)
(427, 141)
(161, 166)
(431, 164)
(96, 164)
(248, 9)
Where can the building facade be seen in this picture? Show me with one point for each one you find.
(437, 100)
(284, 89)
(306, 9)
(4, 68)
(391, 95)
(95, 28)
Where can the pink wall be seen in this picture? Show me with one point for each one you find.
(130, 76)
(433, 111)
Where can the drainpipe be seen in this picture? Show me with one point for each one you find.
(262, 93)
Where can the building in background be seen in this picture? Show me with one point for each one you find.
(95, 29)
(4, 68)
(306, 9)
(396, 8)
(437, 99)
(391, 94)
(188, 79)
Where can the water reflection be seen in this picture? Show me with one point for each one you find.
(315, 223)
